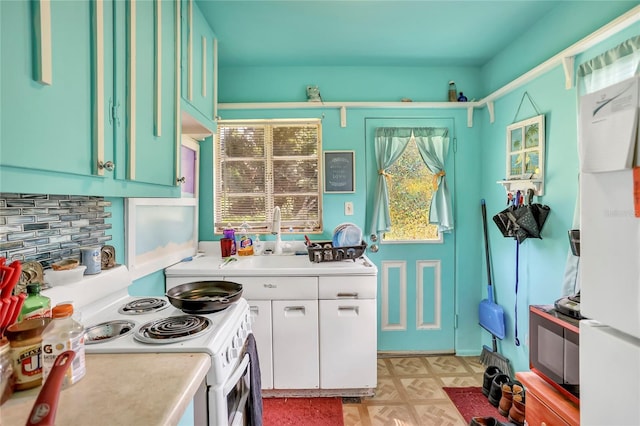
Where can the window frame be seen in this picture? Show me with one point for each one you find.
(311, 226)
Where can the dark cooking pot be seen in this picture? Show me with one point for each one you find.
(204, 297)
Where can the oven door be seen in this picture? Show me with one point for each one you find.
(236, 391)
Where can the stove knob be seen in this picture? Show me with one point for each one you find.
(234, 353)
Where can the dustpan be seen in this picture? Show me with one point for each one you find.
(491, 316)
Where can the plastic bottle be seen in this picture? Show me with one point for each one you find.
(453, 92)
(63, 333)
(245, 244)
(257, 245)
(35, 305)
(231, 234)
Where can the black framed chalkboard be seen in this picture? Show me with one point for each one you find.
(339, 171)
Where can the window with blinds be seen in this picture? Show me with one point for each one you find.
(263, 164)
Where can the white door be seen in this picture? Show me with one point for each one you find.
(348, 344)
(295, 344)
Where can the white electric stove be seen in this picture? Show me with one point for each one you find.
(117, 322)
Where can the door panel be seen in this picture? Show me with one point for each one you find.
(416, 283)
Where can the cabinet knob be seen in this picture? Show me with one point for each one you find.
(373, 237)
(108, 166)
(181, 180)
(373, 248)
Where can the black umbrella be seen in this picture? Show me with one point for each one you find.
(522, 221)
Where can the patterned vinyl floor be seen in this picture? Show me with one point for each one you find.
(409, 392)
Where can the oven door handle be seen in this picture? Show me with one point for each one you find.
(236, 375)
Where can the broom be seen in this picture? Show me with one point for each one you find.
(490, 357)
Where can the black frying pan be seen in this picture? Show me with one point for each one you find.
(204, 297)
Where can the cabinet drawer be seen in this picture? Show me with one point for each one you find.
(538, 414)
(347, 287)
(280, 288)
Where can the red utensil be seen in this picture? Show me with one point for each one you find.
(7, 274)
(18, 308)
(44, 409)
(4, 305)
(10, 283)
(13, 302)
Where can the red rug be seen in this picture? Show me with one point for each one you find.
(302, 411)
(470, 402)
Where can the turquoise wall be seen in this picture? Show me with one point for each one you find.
(566, 24)
(358, 84)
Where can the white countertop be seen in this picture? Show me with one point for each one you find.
(122, 389)
(269, 265)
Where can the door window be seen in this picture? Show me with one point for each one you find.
(411, 188)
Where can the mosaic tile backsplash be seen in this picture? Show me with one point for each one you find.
(48, 228)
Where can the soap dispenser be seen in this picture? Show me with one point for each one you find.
(257, 245)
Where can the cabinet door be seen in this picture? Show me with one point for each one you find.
(198, 45)
(295, 344)
(46, 125)
(189, 167)
(151, 138)
(261, 328)
(348, 344)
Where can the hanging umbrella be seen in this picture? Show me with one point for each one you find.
(522, 221)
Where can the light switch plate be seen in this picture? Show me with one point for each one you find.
(348, 208)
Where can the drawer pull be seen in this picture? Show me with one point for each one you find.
(294, 311)
(347, 295)
(270, 285)
(351, 311)
(254, 310)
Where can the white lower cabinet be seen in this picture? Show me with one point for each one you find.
(295, 344)
(314, 332)
(348, 340)
(261, 328)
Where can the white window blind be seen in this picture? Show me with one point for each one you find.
(263, 164)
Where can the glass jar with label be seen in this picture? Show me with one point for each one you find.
(25, 340)
(63, 334)
(6, 371)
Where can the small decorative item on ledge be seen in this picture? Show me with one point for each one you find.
(462, 98)
(108, 257)
(453, 92)
(313, 94)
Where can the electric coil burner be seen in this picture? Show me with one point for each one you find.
(173, 329)
(144, 305)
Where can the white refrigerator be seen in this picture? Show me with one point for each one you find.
(609, 258)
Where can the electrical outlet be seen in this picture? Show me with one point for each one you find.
(348, 208)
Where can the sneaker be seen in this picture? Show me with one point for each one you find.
(489, 374)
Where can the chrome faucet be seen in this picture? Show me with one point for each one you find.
(275, 230)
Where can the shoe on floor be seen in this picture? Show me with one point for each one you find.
(486, 421)
(516, 413)
(489, 374)
(495, 394)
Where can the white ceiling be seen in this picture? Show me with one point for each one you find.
(368, 32)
